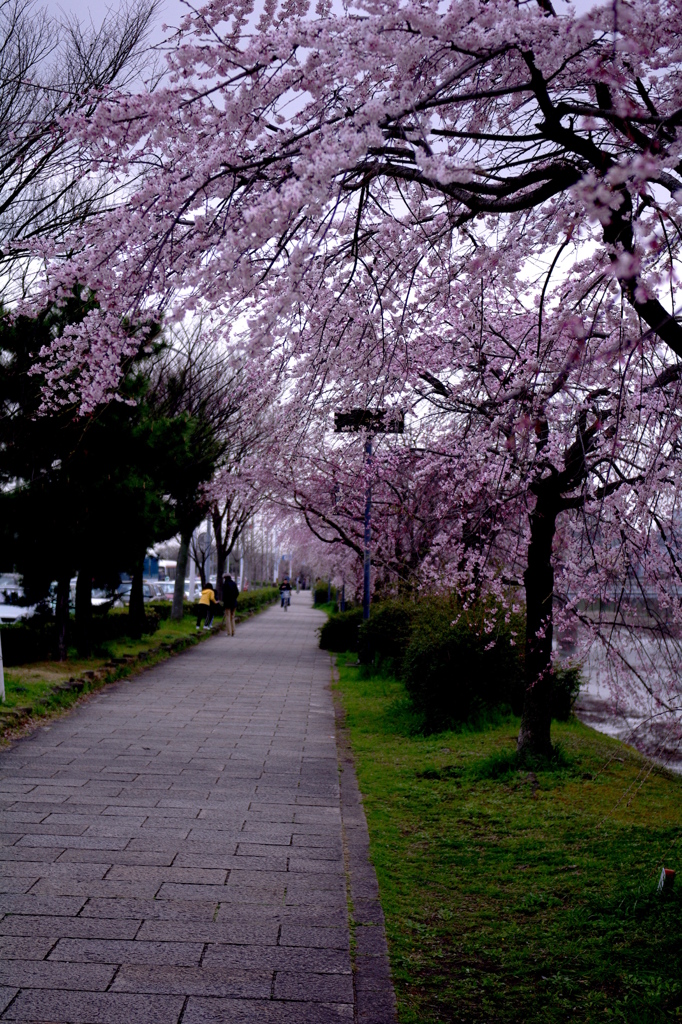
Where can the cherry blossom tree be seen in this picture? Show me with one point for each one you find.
(467, 208)
(283, 151)
(51, 68)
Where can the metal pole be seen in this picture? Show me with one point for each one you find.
(368, 531)
(2, 677)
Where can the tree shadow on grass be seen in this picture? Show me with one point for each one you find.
(503, 765)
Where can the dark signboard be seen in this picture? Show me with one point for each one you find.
(374, 421)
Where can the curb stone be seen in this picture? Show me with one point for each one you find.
(373, 989)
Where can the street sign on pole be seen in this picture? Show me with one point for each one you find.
(375, 421)
(372, 421)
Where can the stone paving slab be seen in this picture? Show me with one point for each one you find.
(181, 847)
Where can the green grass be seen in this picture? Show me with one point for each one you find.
(31, 688)
(513, 895)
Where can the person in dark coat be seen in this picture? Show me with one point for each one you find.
(230, 595)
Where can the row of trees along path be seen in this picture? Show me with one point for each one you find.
(468, 210)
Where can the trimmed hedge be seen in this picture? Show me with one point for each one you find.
(384, 639)
(340, 632)
(322, 594)
(251, 600)
(164, 608)
(35, 639)
(458, 665)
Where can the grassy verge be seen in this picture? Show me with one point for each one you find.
(43, 689)
(517, 896)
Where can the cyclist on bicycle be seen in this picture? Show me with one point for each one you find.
(285, 592)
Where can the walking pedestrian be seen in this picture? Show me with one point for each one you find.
(230, 595)
(206, 607)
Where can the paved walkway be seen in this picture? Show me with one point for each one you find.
(178, 848)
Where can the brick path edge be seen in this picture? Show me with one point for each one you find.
(373, 989)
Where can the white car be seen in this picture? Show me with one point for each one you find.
(122, 596)
(165, 589)
(12, 608)
(197, 591)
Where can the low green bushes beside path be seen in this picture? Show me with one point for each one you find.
(41, 687)
(459, 662)
(524, 895)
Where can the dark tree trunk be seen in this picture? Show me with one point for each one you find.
(201, 569)
(84, 610)
(177, 612)
(221, 553)
(534, 735)
(61, 615)
(136, 606)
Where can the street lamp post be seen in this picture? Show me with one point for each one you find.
(372, 421)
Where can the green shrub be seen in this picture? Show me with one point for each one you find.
(322, 593)
(25, 642)
(384, 639)
(456, 668)
(250, 600)
(340, 631)
(567, 683)
(161, 608)
(36, 640)
(115, 626)
(461, 664)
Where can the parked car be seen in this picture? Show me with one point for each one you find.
(165, 589)
(197, 591)
(12, 605)
(122, 596)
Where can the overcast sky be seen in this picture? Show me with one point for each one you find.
(171, 11)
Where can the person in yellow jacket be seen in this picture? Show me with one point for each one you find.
(206, 608)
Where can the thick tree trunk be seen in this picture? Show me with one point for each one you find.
(177, 611)
(136, 606)
(84, 610)
(534, 735)
(61, 615)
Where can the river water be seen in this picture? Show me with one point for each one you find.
(627, 711)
